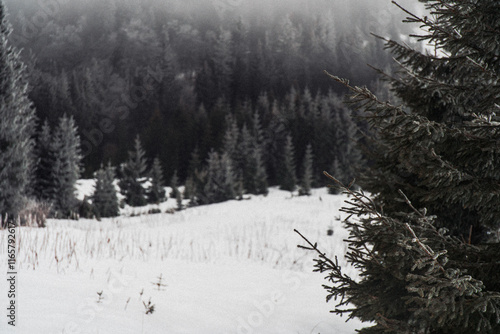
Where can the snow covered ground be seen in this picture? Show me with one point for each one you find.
(232, 267)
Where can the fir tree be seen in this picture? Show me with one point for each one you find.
(194, 162)
(230, 143)
(257, 132)
(174, 184)
(259, 176)
(220, 180)
(288, 177)
(425, 244)
(17, 118)
(178, 200)
(336, 171)
(244, 165)
(189, 188)
(156, 191)
(66, 166)
(104, 199)
(133, 176)
(44, 183)
(306, 181)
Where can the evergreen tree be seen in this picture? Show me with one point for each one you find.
(230, 143)
(220, 179)
(156, 191)
(44, 183)
(337, 173)
(427, 244)
(17, 118)
(243, 161)
(194, 162)
(276, 138)
(178, 200)
(174, 183)
(257, 132)
(239, 189)
(133, 176)
(66, 166)
(287, 172)
(104, 199)
(306, 181)
(189, 188)
(259, 176)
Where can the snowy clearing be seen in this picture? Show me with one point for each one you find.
(232, 267)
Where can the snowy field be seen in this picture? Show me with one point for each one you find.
(232, 267)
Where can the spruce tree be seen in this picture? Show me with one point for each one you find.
(132, 177)
(174, 184)
(257, 132)
(307, 174)
(337, 172)
(259, 176)
(17, 118)
(426, 244)
(220, 181)
(178, 200)
(104, 199)
(230, 142)
(189, 188)
(156, 191)
(288, 179)
(245, 167)
(66, 168)
(44, 183)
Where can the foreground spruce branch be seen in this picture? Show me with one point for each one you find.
(426, 242)
(413, 277)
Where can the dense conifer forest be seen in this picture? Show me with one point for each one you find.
(173, 74)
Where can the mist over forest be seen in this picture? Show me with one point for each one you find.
(179, 74)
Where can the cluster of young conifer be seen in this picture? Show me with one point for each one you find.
(427, 243)
(138, 184)
(58, 157)
(240, 169)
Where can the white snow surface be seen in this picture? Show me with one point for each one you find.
(231, 267)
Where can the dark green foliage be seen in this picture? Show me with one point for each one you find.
(194, 162)
(104, 199)
(414, 277)
(17, 118)
(244, 147)
(219, 180)
(231, 136)
(59, 158)
(141, 75)
(337, 173)
(427, 244)
(249, 164)
(132, 177)
(189, 188)
(306, 181)
(86, 209)
(239, 189)
(443, 153)
(287, 172)
(66, 168)
(258, 175)
(178, 200)
(44, 184)
(156, 191)
(174, 184)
